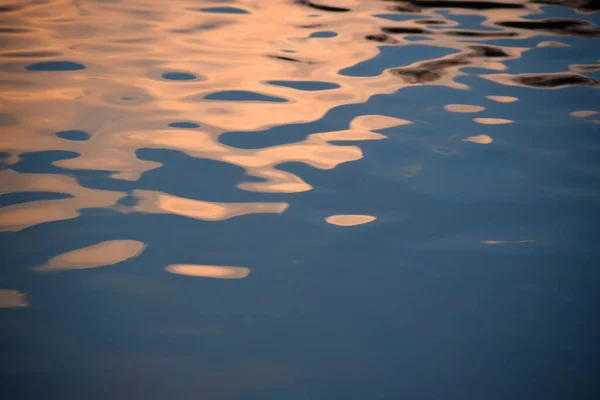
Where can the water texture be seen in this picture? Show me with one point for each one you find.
(294, 199)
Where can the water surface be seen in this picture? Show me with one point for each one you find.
(324, 199)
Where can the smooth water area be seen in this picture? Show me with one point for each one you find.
(294, 199)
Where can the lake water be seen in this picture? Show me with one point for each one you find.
(279, 199)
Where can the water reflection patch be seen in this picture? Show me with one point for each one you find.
(209, 271)
(162, 203)
(74, 135)
(178, 76)
(556, 26)
(127, 98)
(503, 99)
(242, 95)
(479, 139)
(98, 255)
(583, 114)
(10, 298)
(305, 85)
(184, 125)
(21, 216)
(493, 121)
(7, 120)
(32, 54)
(55, 66)
(224, 10)
(323, 34)
(396, 56)
(377, 122)
(321, 7)
(544, 81)
(349, 219)
(463, 108)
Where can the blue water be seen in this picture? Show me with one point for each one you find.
(324, 199)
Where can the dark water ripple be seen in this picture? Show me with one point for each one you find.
(299, 199)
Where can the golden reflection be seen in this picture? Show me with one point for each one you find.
(315, 151)
(349, 219)
(493, 121)
(209, 271)
(23, 215)
(463, 108)
(10, 298)
(98, 255)
(121, 88)
(503, 99)
(479, 139)
(583, 114)
(376, 122)
(156, 202)
(552, 44)
(493, 242)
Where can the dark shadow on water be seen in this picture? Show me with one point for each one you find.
(395, 56)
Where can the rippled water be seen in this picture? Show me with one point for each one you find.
(279, 199)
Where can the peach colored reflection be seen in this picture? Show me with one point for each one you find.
(159, 203)
(98, 255)
(463, 108)
(209, 271)
(479, 139)
(10, 298)
(349, 219)
(376, 122)
(315, 151)
(361, 128)
(493, 242)
(583, 114)
(121, 99)
(23, 215)
(503, 99)
(552, 44)
(493, 121)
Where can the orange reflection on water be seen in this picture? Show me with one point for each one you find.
(123, 100)
(493, 121)
(209, 271)
(479, 139)
(503, 99)
(121, 88)
(98, 255)
(583, 114)
(349, 219)
(158, 203)
(10, 298)
(463, 108)
(20, 216)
